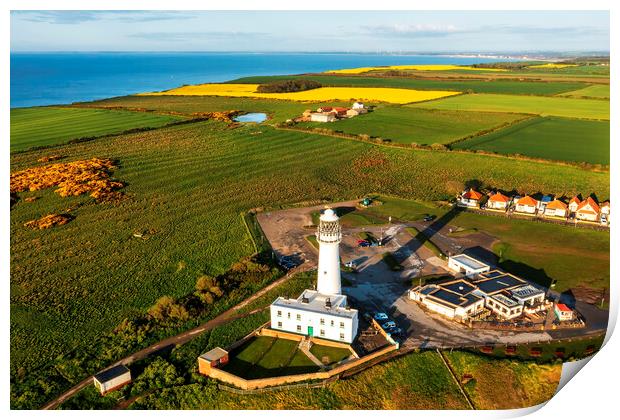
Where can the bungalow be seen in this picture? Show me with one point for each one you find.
(322, 117)
(573, 204)
(467, 265)
(563, 312)
(498, 201)
(526, 205)
(556, 208)
(588, 210)
(470, 198)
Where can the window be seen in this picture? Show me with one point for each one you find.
(279, 313)
(298, 317)
(288, 315)
(322, 333)
(299, 328)
(342, 336)
(341, 325)
(332, 323)
(322, 321)
(279, 324)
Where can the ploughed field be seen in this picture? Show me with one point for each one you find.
(44, 126)
(548, 138)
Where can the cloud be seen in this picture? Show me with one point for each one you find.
(193, 36)
(72, 17)
(443, 30)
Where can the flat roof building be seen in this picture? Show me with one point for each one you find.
(467, 265)
(112, 379)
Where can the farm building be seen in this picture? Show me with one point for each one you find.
(556, 208)
(324, 312)
(322, 117)
(563, 312)
(352, 113)
(112, 379)
(470, 198)
(588, 210)
(573, 204)
(504, 294)
(467, 265)
(527, 205)
(498, 201)
(358, 105)
(213, 358)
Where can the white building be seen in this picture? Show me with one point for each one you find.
(324, 312)
(358, 105)
(467, 265)
(563, 312)
(470, 198)
(527, 205)
(112, 379)
(454, 300)
(322, 117)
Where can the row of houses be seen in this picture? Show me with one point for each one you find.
(546, 206)
(331, 114)
(482, 291)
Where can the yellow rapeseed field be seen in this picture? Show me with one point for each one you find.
(422, 67)
(551, 66)
(397, 96)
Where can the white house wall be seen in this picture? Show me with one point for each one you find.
(329, 324)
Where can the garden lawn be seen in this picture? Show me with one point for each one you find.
(548, 138)
(544, 106)
(44, 126)
(329, 355)
(423, 126)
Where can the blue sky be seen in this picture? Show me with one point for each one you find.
(315, 31)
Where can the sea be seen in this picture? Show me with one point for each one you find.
(63, 78)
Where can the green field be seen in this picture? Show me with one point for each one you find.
(592, 91)
(544, 106)
(479, 86)
(264, 357)
(278, 110)
(32, 127)
(548, 138)
(406, 125)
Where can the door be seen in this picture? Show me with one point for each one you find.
(311, 331)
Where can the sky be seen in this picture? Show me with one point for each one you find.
(314, 31)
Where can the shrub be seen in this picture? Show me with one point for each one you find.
(285, 86)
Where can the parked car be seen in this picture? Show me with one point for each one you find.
(396, 331)
(603, 219)
(388, 325)
(429, 218)
(364, 244)
(381, 316)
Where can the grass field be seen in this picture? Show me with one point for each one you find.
(264, 357)
(188, 185)
(509, 86)
(549, 138)
(373, 94)
(544, 106)
(32, 127)
(592, 91)
(539, 252)
(503, 384)
(407, 125)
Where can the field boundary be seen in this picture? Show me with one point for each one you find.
(458, 383)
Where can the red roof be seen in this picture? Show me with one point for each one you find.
(592, 204)
(557, 204)
(498, 196)
(341, 109)
(326, 108)
(575, 199)
(527, 201)
(563, 307)
(472, 195)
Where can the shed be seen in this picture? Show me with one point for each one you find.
(213, 358)
(112, 379)
(563, 312)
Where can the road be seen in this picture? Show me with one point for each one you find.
(182, 338)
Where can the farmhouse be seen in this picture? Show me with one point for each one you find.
(112, 379)
(556, 208)
(322, 117)
(498, 201)
(324, 312)
(527, 205)
(563, 312)
(588, 210)
(467, 265)
(504, 294)
(470, 198)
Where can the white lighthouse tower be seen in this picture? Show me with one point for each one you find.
(329, 236)
(324, 312)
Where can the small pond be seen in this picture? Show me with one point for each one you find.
(252, 117)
